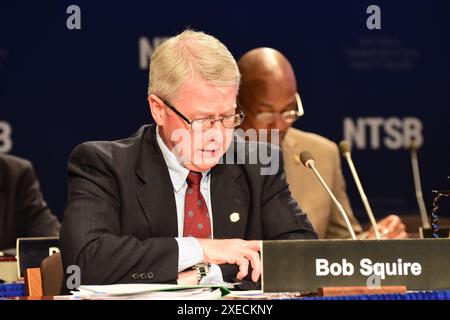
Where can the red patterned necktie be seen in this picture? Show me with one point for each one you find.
(196, 218)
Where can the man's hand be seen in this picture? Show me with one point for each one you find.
(390, 227)
(234, 251)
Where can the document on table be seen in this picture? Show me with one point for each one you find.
(145, 291)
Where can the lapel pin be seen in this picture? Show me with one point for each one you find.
(234, 217)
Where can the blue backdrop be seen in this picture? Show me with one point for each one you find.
(60, 87)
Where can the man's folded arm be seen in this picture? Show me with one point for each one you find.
(91, 234)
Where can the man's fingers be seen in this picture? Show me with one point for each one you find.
(396, 227)
(398, 234)
(251, 256)
(402, 235)
(235, 251)
(256, 273)
(255, 261)
(393, 222)
(392, 227)
(243, 268)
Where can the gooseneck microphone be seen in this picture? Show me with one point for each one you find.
(345, 149)
(418, 185)
(308, 161)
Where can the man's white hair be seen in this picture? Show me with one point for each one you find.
(189, 55)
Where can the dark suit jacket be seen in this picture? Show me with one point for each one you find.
(120, 221)
(23, 211)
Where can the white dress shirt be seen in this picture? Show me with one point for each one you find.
(189, 249)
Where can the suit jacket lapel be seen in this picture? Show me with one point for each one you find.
(229, 202)
(156, 196)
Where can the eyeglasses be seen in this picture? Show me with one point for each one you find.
(288, 116)
(229, 121)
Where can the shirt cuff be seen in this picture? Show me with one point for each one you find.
(189, 253)
(214, 276)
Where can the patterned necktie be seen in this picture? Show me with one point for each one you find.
(196, 219)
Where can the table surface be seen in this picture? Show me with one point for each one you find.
(428, 295)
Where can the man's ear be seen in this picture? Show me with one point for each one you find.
(157, 108)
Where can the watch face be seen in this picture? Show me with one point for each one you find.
(203, 265)
(202, 270)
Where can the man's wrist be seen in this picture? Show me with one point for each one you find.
(187, 278)
(202, 244)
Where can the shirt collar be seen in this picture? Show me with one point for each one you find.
(178, 173)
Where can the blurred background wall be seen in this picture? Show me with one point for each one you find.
(379, 88)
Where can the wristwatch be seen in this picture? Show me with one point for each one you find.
(202, 269)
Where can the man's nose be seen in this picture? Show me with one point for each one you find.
(218, 125)
(215, 133)
(280, 123)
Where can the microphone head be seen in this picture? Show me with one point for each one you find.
(344, 147)
(307, 158)
(412, 146)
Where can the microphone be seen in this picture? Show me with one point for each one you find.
(308, 161)
(418, 185)
(345, 149)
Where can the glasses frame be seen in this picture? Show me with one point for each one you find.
(299, 112)
(189, 122)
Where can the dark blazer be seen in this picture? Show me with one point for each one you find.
(120, 220)
(23, 211)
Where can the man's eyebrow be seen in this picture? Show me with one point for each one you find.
(202, 114)
(207, 114)
(291, 104)
(265, 104)
(288, 106)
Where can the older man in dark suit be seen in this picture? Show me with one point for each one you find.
(23, 211)
(161, 206)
